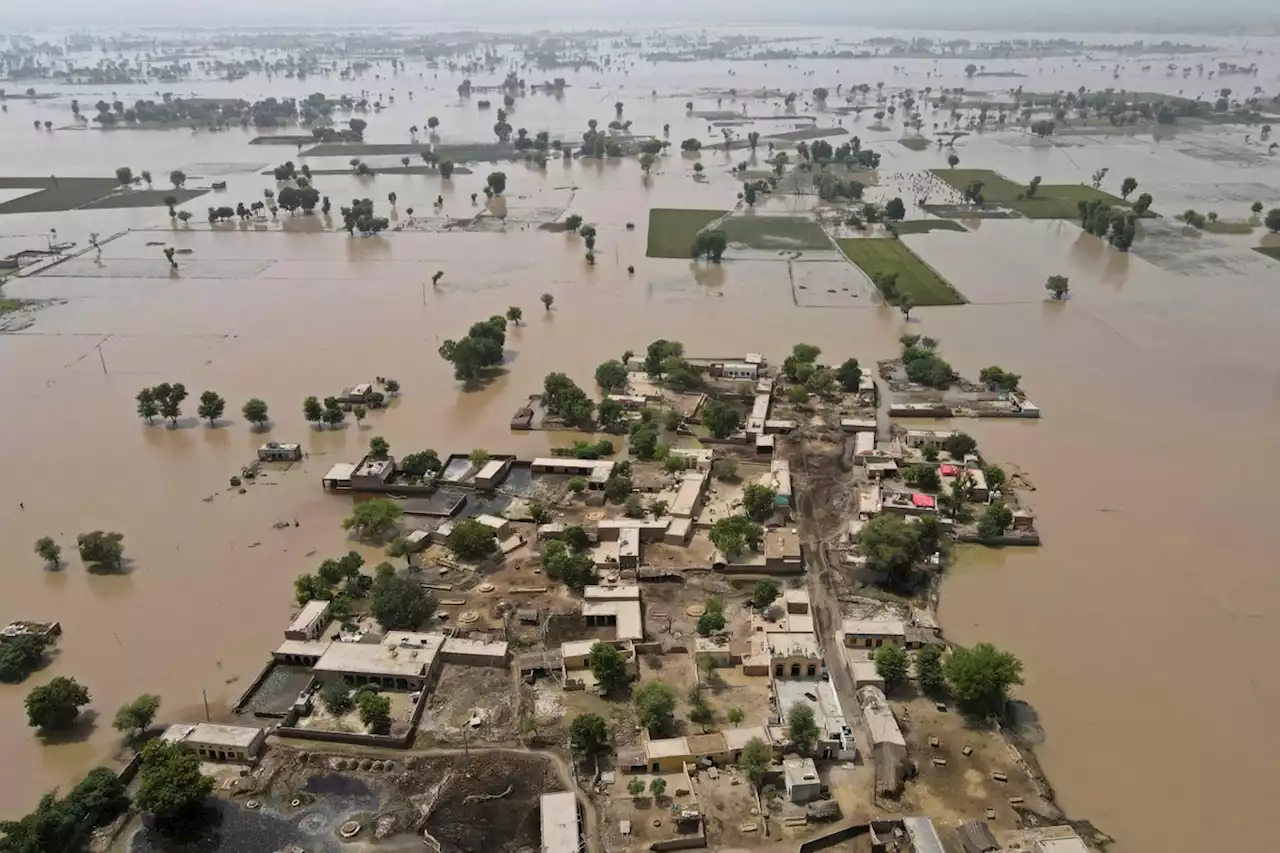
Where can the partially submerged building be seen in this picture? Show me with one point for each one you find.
(215, 742)
(309, 622)
(274, 451)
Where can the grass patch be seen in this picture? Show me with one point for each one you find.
(284, 139)
(807, 133)
(915, 143)
(776, 232)
(1272, 252)
(75, 193)
(8, 306)
(924, 226)
(874, 255)
(671, 230)
(1051, 201)
(1228, 226)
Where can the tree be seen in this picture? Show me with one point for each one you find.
(55, 706)
(312, 410)
(170, 784)
(733, 534)
(710, 244)
(547, 300)
(995, 476)
(998, 379)
(959, 445)
(905, 304)
(655, 704)
(953, 160)
(611, 374)
(21, 656)
(399, 603)
(891, 665)
(497, 182)
(169, 399)
(895, 209)
(970, 70)
(929, 670)
(124, 176)
(657, 786)
(1273, 220)
(147, 406)
(1127, 186)
(569, 565)
(136, 717)
(49, 551)
(757, 501)
(995, 520)
(178, 177)
(720, 419)
(576, 538)
(422, 463)
(849, 375)
(374, 518)
(712, 620)
(379, 447)
(636, 786)
(608, 666)
(337, 699)
(101, 548)
(255, 412)
(375, 711)
(515, 314)
(1043, 128)
(401, 547)
(755, 760)
(589, 734)
(889, 544)
(472, 540)
(802, 728)
(577, 485)
(211, 406)
(735, 716)
(764, 593)
(1256, 208)
(980, 677)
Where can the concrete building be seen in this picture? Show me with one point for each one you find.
(873, 633)
(558, 813)
(372, 472)
(736, 370)
(574, 654)
(357, 394)
(492, 473)
(629, 548)
(919, 410)
(500, 526)
(921, 437)
(775, 426)
(858, 424)
(759, 412)
(214, 742)
(780, 482)
(418, 539)
(689, 494)
(668, 755)
(923, 835)
(610, 529)
(274, 451)
(339, 477)
(678, 531)
(864, 445)
(909, 503)
(794, 655)
(865, 674)
(574, 467)
(474, 652)
(880, 720)
(834, 735)
(301, 652)
(699, 460)
(801, 777)
(404, 660)
(618, 606)
(782, 551)
(309, 622)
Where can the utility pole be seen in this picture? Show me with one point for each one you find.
(206, 704)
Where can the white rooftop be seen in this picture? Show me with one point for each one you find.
(341, 471)
(874, 627)
(303, 647)
(212, 734)
(669, 747)
(402, 654)
(621, 592)
(311, 611)
(799, 770)
(480, 648)
(492, 521)
(559, 816)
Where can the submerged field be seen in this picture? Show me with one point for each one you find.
(671, 231)
(62, 194)
(916, 278)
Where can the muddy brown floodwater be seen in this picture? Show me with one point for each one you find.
(1145, 622)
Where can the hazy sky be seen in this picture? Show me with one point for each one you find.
(1093, 15)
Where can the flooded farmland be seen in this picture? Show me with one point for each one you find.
(1158, 379)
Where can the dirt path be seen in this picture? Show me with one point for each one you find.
(591, 823)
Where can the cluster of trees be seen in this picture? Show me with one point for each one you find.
(101, 548)
(55, 822)
(399, 602)
(330, 411)
(566, 560)
(710, 245)
(896, 548)
(22, 655)
(421, 464)
(922, 363)
(165, 400)
(831, 187)
(359, 217)
(338, 581)
(712, 618)
(734, 534)
(978, 678)
(665, 360)
(476, 354)
(1102, 220)
(373, 519)
(472, 540)
(998, 379)
(720, 418)
(564, 399)
(655, 705)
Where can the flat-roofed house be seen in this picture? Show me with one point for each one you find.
(309, 622)
(873, 633)
(492, 473)
(782, 551)
(404, 660)
(215, 742)
(558, 814)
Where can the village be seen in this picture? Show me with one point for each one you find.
(715, 642)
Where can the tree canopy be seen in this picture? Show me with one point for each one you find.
(891, 664)
(802, 728)
(764, 593)
(399, 603)
(757, 501)
(589, 734)
(655, 704)
(568, 564)
(734, 534)
(101, 548)
(472, 540)
(373, 518)
(480, 350)
(608, 665)
(56, 705)
(980, 677)
(21, 656)
(421, 463)
(892, 547)
(722, 420)
(54, 822)
(136, 717)
(755, 760)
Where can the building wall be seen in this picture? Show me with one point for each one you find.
(796, 666)
(869, 641)
(669, 764)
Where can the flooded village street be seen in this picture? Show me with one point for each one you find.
(1145, 622)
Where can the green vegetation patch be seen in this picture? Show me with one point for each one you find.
(1272, 252)
(481, 151)
(915, 143)
(671, 230)
(775, 232)
(63, 194)
(284, 139)
(1227, 226)
(924, 226)
(876, 256)
(808, 133)
(8, 306)
(1051, 201)
(388, 170)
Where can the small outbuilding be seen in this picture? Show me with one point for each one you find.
(801, 776)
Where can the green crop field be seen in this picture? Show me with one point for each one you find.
(1051, 201)
(671, 230)
(924, 226)
(875, 255)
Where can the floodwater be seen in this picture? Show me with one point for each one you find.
(1143, 622)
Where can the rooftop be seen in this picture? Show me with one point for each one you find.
(793, 644)
(340, 471)
(687, 496)
(479, 648)
(493, 521)
(781, 544)
(1070, 844)
(798, 770)
(628, 621)
(827, 712)
(212, 734)
(492, 468)
(880, 720)
(370, 467)
(401, 654)
(303, 647)
(874, 627)
(621, 592)
(311, 611)
(559, 816)
(736, 739)
(670, 747)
